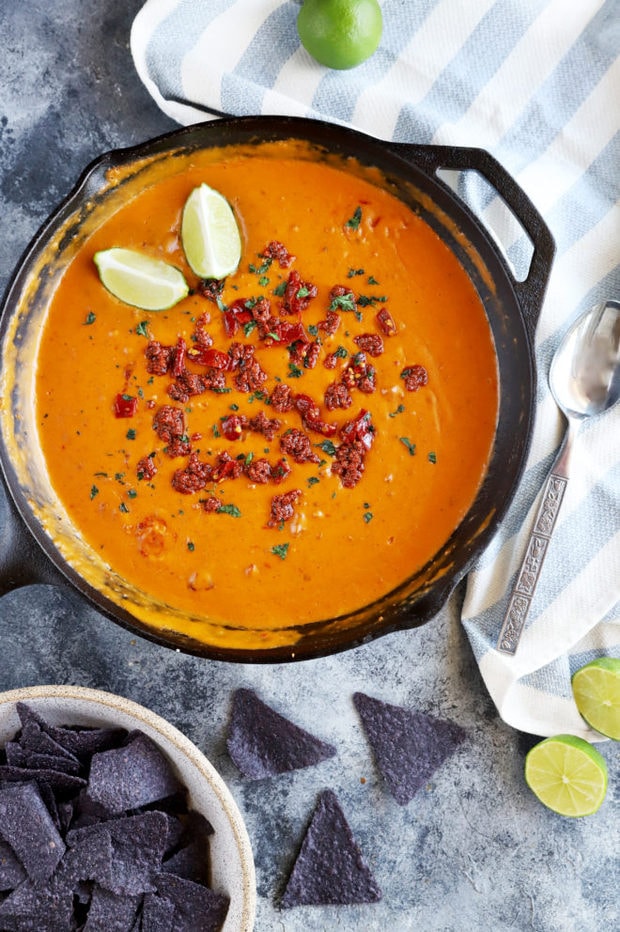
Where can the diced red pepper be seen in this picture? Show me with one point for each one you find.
(235, 315)
(125, 405)
(232, 426)
(213, 358)
(180, 354)
(311, 416)
(386, 322)
(360, 428)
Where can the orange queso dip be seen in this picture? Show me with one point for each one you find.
(286, 445)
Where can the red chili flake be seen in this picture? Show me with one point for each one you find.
(331, 323)
(277, 250)
(125, 405)
(311, 416)
(370, 343)
(386, 322)
(232, 426)
(297, 294)
(337, 395)
(194, 477)
(297, 445)
(146, 468)
(359, 428)
(283, 507)
(282, 398)
(415, 377)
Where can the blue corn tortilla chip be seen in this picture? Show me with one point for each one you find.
(131, 776)
(113, 857)
(109, 912)
(263, 743)
(26, 825)
(408, 746)
(138, 844)
(77, 741)
(11, 871)
(196, 908)
(330, 869)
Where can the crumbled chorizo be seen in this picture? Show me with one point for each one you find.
(370, 343)
(210, 288)
(283, 507)
(146, 468)
(282, 398)
(342, 298)
(187, 385)
(331, 323)
(169, 423)
(298, 446)
(159, 358)
(194, 477)
(225, 467)
(267, 426)
(415, 377)
(349, 463)
(337, 395)
(278, 251)
(297, 294)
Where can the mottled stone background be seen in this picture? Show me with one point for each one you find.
(473, 850)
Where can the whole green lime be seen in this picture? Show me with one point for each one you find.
(340, 33)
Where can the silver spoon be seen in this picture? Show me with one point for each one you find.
(584, 379)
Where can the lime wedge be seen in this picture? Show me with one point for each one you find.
(567, 775)
(596, 688)
(140, 280)
(210, 234)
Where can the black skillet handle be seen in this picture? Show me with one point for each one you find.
(432, 159)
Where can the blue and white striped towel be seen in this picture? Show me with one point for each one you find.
(536, 83)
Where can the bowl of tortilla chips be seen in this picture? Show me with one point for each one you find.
(110, 815)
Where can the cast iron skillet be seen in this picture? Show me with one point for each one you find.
(512, 308)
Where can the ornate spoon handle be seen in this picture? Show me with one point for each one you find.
(536, 550)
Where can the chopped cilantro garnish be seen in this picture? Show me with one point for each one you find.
(90, 318)
(280, 550)
(248, 327)
(231, 510)
(131, 434)
(280, 290)
(312, 480)
(341, 352)
(399, 410)
(328, 446)
(372, 280)
(123, 507)
(93, 491)
(142, 328)
(343, 302)
(365, 300)
(191, 546)
(294, 371)
(355, 219)
(353, 272)
(368, 516)
(432, 457)
(410, 446)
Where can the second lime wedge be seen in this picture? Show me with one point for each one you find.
(209, 233)
(567, 775)
(596, 688)
(139, 279)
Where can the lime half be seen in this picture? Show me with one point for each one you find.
(140, 280)
(596, 688)
(209, 233)
(567, 775)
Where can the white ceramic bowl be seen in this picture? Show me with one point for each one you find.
(232, 864)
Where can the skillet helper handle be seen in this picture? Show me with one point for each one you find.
(537, 546)
(432, 159)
